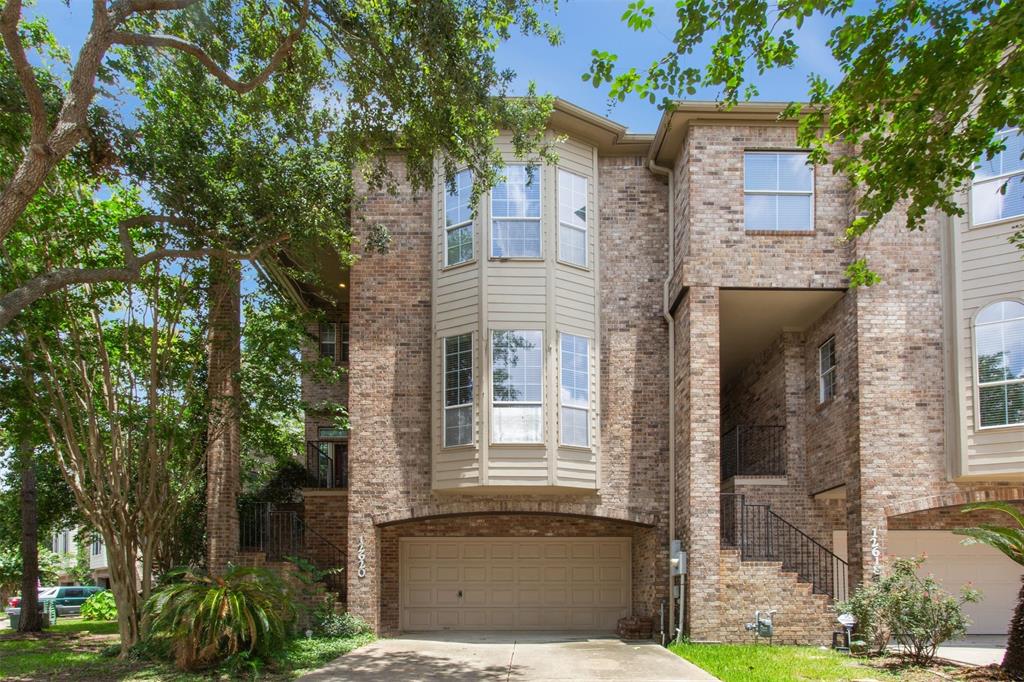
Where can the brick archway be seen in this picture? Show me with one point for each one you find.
(473, 507)
(954, 499)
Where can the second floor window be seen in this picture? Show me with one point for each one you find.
(778, 191)
(97, 545)
(458, 390)
(827, 371)
(517, 414)
(990, 202)
(515, 214)
(334, 341)
(575, 393)
(458, 220)
(572, 218)
(999, 344)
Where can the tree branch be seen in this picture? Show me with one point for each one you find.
(9, 19)
(13, 302)
(182, 45)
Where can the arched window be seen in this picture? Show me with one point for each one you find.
(999, 361)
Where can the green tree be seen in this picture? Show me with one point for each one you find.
(925, 87)
(11, 571)
(1010, 541)
(417, 76)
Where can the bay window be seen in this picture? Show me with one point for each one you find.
(572, 218)
(575, 390)
(458, 390)
(458, 220)
(998, 189)
(517, 413)
(515, 213)
(999, 362)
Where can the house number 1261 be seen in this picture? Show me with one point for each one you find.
(876, 553)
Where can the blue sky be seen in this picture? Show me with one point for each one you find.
(585, 25)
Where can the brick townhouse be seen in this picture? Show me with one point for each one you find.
(653, 340)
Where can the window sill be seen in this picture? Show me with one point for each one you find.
(1002, 222)
(574, 266)
(539, 446)
(1001, 427)
(471, 261)
(577, 448)
(821, 407)
(779, 233)
(459, 448)
(516, 259)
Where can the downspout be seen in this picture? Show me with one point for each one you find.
(667, 172)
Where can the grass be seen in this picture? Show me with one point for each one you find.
(73, 650)
(761, 663)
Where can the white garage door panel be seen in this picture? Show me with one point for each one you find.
(514, 584)
(955, 565)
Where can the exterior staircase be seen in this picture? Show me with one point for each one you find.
(767, 563)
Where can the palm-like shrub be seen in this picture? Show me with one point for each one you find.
(207, 619)
(1009, 541)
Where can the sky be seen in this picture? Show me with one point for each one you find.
(586, 25)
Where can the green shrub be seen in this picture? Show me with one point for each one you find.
(210, 619)
(913, 609)
(100, 606)
(330, 624)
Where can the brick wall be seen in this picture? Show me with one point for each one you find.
(646, 550)
(325, 515)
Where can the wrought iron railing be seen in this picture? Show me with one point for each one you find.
(282, 535)
(754, 451)
(327, 463)
(762, 535)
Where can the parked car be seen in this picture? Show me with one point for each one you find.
(68, 598)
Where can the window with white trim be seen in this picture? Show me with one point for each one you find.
(998, 189)
(517, 413)
(575, 390)
(515, 213)
(97, 544)
(572, 218)
(999, 362)
(458, 390)
(458, 220)
(778, 191)
(827, 371)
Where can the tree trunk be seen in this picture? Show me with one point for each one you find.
(223, 447)
(30, 620)
(121, 560)
(1013, 659)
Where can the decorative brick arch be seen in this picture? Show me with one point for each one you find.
(956, 498)
(483, 506)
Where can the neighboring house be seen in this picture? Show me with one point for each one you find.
(64, 545)
(98, 561)
(654, 340)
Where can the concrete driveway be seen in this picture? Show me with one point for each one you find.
(974, 649)
(509, 656)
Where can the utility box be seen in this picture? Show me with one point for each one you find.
(677, 560)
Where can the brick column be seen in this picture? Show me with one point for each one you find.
(223, 449)
(697, 454)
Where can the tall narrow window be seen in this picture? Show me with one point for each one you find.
(575, 393)
(515, 214)
(329, 340)
(458, 220)
(572, 218)
(516, 380)
(827, 371)
(989, 201)
(999, 345)
(343, 331)
(778, 191)
(458, 390)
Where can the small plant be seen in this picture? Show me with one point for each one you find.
(327, 623)
(210, 619)
(915, 610)
(100, 606)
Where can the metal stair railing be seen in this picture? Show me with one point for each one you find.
(762, 535)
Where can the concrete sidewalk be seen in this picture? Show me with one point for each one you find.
(508, 656)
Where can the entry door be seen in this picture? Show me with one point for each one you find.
(514, 583)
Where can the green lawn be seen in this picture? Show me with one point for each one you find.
(762, 663)
(72, 650)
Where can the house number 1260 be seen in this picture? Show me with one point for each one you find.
(361, 556)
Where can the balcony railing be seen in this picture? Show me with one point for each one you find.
(754, 451)
(762, 535)
(327, 463)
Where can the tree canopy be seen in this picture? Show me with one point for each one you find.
(925, 87)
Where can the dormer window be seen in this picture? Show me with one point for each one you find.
(515, 213)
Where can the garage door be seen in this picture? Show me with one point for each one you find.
(514, 583)
(955, 564)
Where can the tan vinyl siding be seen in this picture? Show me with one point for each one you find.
(986, 268)
(528, 294)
